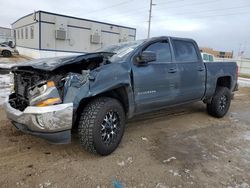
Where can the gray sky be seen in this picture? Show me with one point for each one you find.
(220, 24)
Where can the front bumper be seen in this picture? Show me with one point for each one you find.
(15, 53)
(51, 122)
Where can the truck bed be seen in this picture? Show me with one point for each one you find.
(219, 69)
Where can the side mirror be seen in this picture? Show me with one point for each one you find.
(146, 56)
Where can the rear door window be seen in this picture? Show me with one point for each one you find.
(185, 51)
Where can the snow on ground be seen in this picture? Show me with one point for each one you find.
(244, 82)
(4, 77)
(4, 87)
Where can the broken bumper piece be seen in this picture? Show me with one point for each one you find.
(52, 123)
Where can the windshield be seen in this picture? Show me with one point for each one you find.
(121, 50)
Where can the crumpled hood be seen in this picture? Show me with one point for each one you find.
(50, 64)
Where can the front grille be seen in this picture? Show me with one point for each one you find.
(20, 85)
(23, 82)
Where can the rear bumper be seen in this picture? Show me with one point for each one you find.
(50, 122)
(236, 88)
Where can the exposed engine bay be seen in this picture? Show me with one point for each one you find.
(34, 85)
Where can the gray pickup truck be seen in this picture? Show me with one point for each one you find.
(96, 92)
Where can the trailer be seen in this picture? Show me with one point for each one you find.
(44, 34)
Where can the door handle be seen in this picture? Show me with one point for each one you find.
(172, 70)
(201, 69)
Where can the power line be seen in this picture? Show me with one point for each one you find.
(187, 13)
(191, 4)
(212, 10)
(169, 2)
(201, 16)
(208, 16)
(139, 10)
(108, 7)
(142, 10)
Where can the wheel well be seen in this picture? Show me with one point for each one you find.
(119, 93)
(224, 82)
(5, 51)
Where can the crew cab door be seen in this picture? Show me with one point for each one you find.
(191, 68)
(155, 82)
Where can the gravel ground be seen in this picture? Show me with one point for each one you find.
(182, 147)
(178, 147)
(13, 59)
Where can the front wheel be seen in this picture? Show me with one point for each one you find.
(220, 102)
(6, 53)
(101, 125)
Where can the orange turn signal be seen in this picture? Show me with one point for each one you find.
(51, 84)
(49, 102)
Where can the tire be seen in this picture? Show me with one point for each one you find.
(6, 53)
(220, 102)
(99, 118)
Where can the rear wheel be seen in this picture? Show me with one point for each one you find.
(220, 103)
(6, 53)
(101, 125)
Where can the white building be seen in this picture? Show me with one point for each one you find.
(44, 34)
(5, 34)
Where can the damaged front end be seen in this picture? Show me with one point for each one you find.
(41, 102)
(35, 88)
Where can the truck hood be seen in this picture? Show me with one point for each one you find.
(50, 64)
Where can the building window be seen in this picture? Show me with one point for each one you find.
(22, 33)
(26, 32)
(18, 34)
(32, 32)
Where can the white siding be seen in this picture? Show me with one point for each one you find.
(78, 34)
(5, 34)
(20, 25)
(41, 53)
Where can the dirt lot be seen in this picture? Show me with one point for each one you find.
(14, 59)
(181, 147)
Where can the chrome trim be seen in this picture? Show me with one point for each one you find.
(43, 119)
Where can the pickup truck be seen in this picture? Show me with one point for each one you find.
(97, 92)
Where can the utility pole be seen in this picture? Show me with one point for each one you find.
(150, 16)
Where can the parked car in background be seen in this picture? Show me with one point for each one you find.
(7, 51)
(206, 57)
(9, 43)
